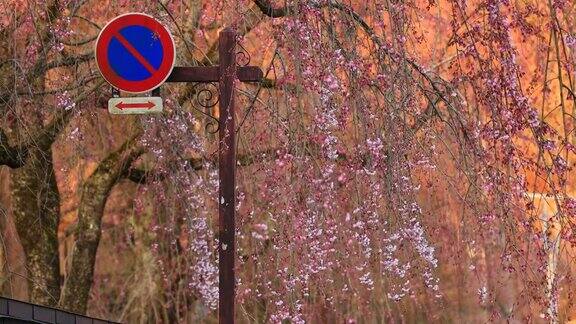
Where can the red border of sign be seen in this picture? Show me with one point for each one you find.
(165, 38)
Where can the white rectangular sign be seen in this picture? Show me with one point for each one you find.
(135, 105)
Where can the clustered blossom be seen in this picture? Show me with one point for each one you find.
(189, 227)
(65, 101)
(335, 235)
(483, 294)
(60, 31)
(511, 115)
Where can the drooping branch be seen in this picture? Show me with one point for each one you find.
(142, 176)
(66, 61)
(267, 9)
(432, 80)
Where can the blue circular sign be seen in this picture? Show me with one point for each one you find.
(135, 53)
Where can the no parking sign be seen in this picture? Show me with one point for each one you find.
(135, 53)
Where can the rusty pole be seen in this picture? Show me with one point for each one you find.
(227, 166)
(225, 74)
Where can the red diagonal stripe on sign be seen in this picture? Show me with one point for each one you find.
(135, 53)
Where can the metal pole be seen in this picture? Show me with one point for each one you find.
(227, 168)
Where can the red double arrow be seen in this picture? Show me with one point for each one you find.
(122, 105)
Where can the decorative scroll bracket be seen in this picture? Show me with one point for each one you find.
(207, 97)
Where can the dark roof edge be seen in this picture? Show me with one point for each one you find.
(16, 309)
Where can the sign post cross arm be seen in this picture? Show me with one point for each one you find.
(212, 74)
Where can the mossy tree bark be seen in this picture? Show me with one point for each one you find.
(36, 210)
(35, 198)
(95, 192)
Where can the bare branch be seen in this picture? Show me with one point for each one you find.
(267, 9)
(145, 176)
(16, 156)
(13, 157)
(66, 61)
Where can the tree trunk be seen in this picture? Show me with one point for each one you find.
(36, 209)
(79, 279)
